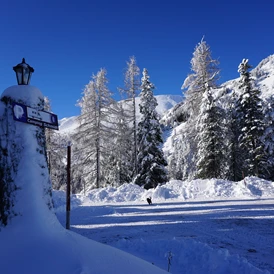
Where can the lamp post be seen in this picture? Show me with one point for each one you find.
(23, 73)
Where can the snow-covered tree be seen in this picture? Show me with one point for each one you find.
(96, 132)
(211, 146)
(131, 89)
(268, 137)
(123, 148)
(56, 153)
(151, 162)
(234, 154)
(252, 124)
(84, 147)
(205, 75)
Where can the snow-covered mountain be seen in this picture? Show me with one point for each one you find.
(263, 74)
(165, 102)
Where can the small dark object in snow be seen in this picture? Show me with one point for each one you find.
(149, 200)
(252, 250)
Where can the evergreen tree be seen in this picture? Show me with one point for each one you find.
(252, 125)
(151, 162)
(211, 145)
(234, 153)
(268, 138)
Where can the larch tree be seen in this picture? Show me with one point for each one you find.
(131, 89)
(150, 159)
(96, 131)
(120, 154)
(205, 73)
(84, 147)
(104, 140)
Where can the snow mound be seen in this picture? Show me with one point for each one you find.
(250, 188)
(124, 193)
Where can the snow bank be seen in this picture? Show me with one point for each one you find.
(250, 188)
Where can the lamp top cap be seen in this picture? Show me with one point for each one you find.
(24, 64)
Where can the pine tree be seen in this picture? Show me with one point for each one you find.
(211, 145)
(151, 162)
(268, 138)
(234, 153)
(252, 125)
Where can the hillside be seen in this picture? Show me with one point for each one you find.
(263, 74)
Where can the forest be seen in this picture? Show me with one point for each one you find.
(222, 131)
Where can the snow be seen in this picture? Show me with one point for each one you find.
(165, 102)
(32, 95)
(206, 226)
(68, 124)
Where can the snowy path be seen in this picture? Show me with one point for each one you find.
(244, 227)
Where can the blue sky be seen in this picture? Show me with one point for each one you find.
(68, 41)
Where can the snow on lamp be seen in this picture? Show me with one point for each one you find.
(23, 73)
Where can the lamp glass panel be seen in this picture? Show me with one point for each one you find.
(19, 76)
(25, 76)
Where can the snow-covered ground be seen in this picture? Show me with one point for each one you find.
(203, 226)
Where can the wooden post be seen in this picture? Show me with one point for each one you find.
(68, 186)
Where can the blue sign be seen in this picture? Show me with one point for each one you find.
(29, 115)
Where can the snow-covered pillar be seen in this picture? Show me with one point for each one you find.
(25, 189)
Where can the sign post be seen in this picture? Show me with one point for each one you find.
(30, 115)
(68, 186)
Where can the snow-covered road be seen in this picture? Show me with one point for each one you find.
(241, 226)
